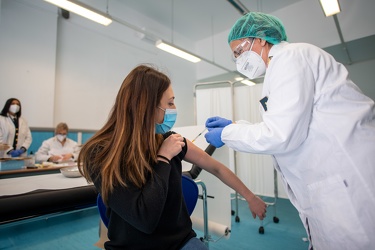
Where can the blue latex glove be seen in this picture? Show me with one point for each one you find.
(213, 136)
(16, 153)
(217, 122)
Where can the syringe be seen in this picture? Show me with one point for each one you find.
(199, 134)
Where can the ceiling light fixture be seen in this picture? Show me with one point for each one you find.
(248, 82)
(176, 51)
(83, 10)
(330, 7)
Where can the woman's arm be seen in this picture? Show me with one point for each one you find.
(42, 154)
(198, 157)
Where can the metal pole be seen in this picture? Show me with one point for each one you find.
(207, 236)
(234, 156)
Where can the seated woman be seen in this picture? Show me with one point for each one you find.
(58, 148)
(134, 162)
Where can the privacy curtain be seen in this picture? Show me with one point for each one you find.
(239, 102)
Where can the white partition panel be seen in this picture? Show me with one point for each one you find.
(255, 170)
(218, 207)
(216, 101)
(213, 102)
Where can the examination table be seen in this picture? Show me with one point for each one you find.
(28, 197)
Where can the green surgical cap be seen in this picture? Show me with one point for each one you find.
(259, 25)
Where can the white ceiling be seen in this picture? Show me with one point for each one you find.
(188, 23)
(198, 19)
(304, 19)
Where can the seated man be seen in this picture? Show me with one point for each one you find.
(58, 148)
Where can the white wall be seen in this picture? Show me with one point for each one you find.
(70, 70)
(217, 50)
(95, 70)
(27, 60)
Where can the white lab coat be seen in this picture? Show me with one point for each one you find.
(320, 129)
(53, 147)
(7, 132)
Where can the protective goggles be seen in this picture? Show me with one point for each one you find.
(246, 45)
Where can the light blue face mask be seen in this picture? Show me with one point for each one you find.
(170, 116)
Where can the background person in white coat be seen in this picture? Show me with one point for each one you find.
(58, 148)
(14, 130)
(318, 126)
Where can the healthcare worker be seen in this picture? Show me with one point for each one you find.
(58, 148)
(318, 126)
(14, 130)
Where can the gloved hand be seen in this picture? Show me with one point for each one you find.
(213, 136)
(16, 153)
(217, 122)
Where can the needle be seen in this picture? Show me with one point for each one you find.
(199, 134)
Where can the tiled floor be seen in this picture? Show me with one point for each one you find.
(80, 231)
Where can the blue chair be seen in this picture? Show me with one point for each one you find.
(189, 190)
(102, 209)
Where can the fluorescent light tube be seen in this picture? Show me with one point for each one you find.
(82, 10)
(330, 7)
(177, 52)
(248, 82)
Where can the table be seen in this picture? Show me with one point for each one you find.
(54, 168)
(31, 196)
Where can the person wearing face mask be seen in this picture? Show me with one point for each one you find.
(58, 148)
(134, 161)
(318, 126)
(14, 130)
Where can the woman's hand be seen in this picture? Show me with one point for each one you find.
(172, 146)
(257, 207)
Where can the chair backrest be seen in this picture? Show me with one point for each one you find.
(189, 190)
(102, 209)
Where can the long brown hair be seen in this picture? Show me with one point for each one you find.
(123, 150)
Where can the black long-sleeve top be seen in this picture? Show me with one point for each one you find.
(154, 217)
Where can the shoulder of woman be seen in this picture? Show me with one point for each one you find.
(166, 135)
